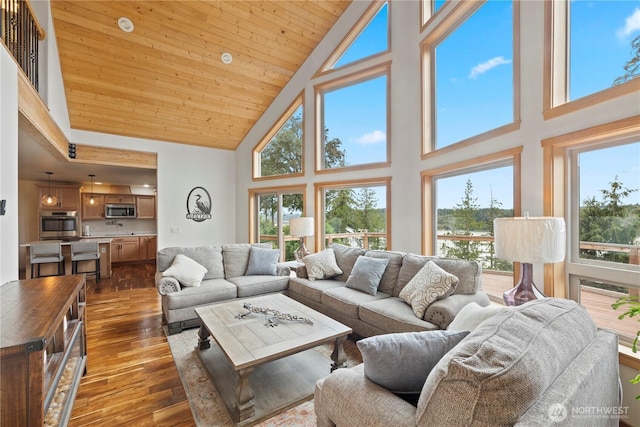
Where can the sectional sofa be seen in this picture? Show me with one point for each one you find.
(229, 272)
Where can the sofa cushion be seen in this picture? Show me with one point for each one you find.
(346, 257)
(210, 257)
(393, 314)
(390, 276)
(235, 257)
(507, 362)
(312, 289)
(469, 274)
(347, 301)
(187, 271)
(262, 261)
(366, 274)
(209, 291)
(428, 285)
(472, 315)
(257, 285)
(401, 362)
(321, 265)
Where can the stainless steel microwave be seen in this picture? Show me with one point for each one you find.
(58, 224)
(119, 210)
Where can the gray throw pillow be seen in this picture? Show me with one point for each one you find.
(262, 261)
(402, 362)
(366, 274)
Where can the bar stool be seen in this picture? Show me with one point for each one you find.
(85, 251)
(46, 253)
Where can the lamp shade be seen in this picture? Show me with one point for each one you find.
(301, 226)
(530, 239)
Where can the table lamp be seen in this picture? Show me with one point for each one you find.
(301, 227)
(528, 240)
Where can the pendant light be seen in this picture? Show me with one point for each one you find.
(92, 200)
(49, 199)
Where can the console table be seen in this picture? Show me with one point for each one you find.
(42, 349)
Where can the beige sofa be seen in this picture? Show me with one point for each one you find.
(385, 311)
(225, 279)
(541, 364)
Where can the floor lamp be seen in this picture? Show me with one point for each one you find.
(301, 227)
(528, 240)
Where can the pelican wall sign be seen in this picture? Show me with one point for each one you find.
(198, 204)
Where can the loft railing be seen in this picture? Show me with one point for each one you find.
(21, 34)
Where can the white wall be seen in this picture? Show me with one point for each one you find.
(180, 169)
(8, 166)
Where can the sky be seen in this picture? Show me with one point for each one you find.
(476, 88)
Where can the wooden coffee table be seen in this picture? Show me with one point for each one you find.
(262, 365)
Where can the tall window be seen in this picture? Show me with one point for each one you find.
(354, 120)
(466, 205)
(280, 151)
(474, 75)
(604, 37)
(273, 209)
(596, 187)
(355, 213)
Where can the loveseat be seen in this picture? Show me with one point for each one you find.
(190, 277)
(378, 308)
(540, 364)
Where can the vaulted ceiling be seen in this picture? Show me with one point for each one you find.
(166, 81)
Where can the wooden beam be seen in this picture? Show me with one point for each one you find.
(115, 157)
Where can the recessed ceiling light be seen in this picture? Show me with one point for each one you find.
(125, 24)
(226, 58)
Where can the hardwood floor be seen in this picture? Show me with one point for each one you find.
(131, 377)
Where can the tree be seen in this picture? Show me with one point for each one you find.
(464, 223)
(283, 154)
(341, 214)
(493, 213)
(609, 221)
(632, 67)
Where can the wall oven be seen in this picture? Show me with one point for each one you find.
(58, 224)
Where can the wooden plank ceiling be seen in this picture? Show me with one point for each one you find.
(166, 81)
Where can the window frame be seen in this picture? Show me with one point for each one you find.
(556, 67)
(254, 225)
(436, 33)
(320, 187)
(273, 131)
(354, 78)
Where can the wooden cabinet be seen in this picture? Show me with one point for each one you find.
(146, 207)
(120, 198)
(148, 248)
(43, 349)
(125, 249)
(95, 210)
(68, 197)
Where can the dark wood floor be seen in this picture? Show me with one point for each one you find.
(131, 377)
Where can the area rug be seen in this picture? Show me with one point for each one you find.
(207, 407)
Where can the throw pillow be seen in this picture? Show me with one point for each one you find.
(402, 362)
(366, 274)
(262, 261)
(472, 315)
(186, 271)
(321, 265)
(428, 285)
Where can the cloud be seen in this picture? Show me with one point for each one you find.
(486, 66)
(631, 24)
(372, 137)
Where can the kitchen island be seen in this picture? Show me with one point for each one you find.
(50, 269)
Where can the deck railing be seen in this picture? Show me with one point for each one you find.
(21, 34)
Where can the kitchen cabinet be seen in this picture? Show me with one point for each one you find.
(120, 198)
(125, 249)
(43, 354)
(95, 211)
(146, 207)
(148, 248)
(68, 197)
